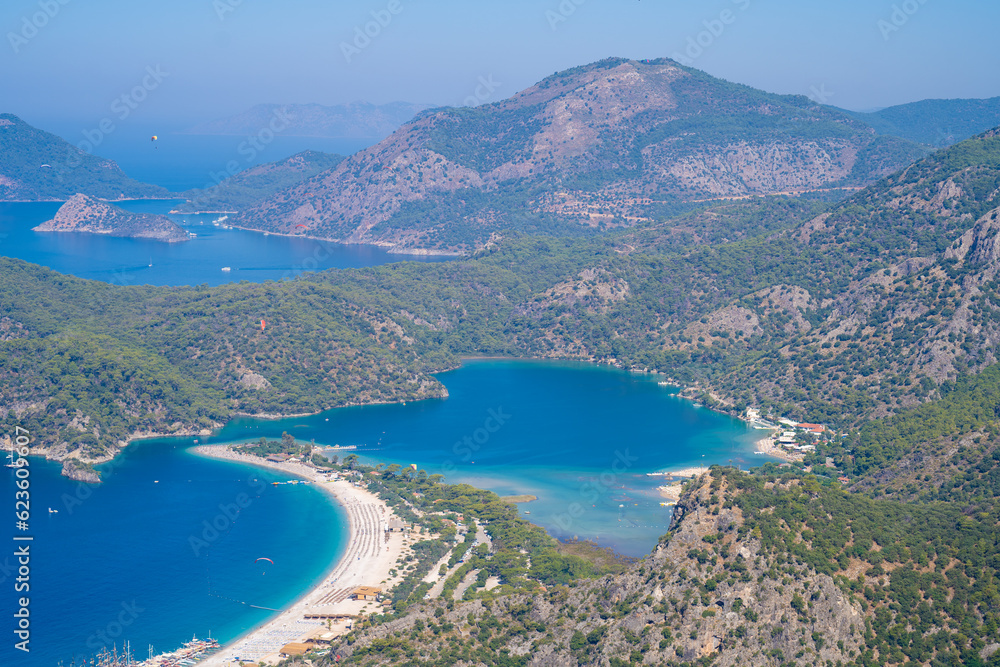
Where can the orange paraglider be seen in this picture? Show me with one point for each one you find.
(263, 324)
(263, 570)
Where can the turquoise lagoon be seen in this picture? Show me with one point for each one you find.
(159, 552)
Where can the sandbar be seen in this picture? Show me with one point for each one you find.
(371, 553)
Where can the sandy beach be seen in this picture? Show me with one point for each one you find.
(768, 446)
(371, 553)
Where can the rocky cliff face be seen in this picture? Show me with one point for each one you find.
(629, 135)
(901, 295)
(86, 214)
(80, 472)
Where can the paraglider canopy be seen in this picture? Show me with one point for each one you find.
(154, 138)
(267, 559)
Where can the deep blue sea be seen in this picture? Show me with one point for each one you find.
(123, 561)
(122, 261)
(132, 559)
(180, 162)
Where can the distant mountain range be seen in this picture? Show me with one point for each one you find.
(935, 122)
(603, 145)
(36, 165)
(606, 145)
(357, 120)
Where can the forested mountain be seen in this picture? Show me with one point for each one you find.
(256, 183)
(610, 144)
(935, 122)
(876, 314)
(39, 166)
(758, 569)
(876, 304)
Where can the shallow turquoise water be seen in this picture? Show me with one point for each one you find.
(580, 437)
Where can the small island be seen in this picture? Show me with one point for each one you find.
(87, 214)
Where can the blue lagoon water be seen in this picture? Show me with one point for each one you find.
(133, 558)
(580, 437)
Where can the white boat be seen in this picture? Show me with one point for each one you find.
(663, 384)
(52, 511)
(227, 269)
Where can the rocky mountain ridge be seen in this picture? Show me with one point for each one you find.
(905, 294)
(935, 122)
(628, 137)
(256, 183)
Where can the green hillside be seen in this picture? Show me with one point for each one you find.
(36, 165)
(935, 122)
(833, 317)
(876, 315)
(257, 183)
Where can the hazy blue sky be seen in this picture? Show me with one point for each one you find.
(66, 62)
